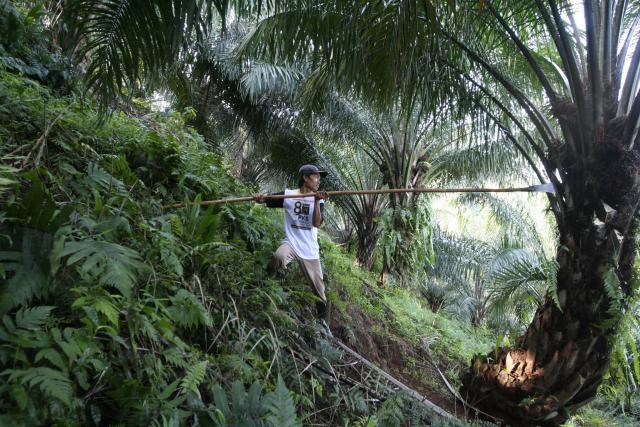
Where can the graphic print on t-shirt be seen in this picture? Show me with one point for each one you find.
(302, 218)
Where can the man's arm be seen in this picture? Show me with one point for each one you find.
(318, 209)
(270, 203)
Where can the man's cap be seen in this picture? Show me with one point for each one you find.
(310, 169)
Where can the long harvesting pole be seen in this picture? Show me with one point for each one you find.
(545, 188)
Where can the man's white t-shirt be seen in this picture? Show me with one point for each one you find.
(298, 225)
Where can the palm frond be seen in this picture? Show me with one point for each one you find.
(125, 41)
(459, 260)
(476, 163)
(519, 281)
(264, 79)
(364, 47)
(515, 222)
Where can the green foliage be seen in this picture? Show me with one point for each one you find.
(616, 297)
(252, 408)
(25, 47)
(105, 262)
(598, 415)
(282, 411)
(446, 337)
(621, 387)
(400, 252)
(53, 384)
(32, 318)
(194, 377)
(391, 412)
(499, 277)
(119, 311)
(187, 311)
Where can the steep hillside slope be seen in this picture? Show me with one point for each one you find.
(117, 310)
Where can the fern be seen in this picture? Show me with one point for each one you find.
(53, 384)
(33, 318)
(107, 308)
(28, 269)
(109, 263)
(282, 411)
(616, 297)
(187, 311)
(54, 357)
(390, 413)
(100, 178)
(69, 345)
(176, 357)
(194, 377)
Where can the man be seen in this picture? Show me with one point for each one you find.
(302, 217)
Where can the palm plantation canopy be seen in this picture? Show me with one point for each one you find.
(419, 93)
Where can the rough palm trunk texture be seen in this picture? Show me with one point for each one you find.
(560, 361)
(368, 235)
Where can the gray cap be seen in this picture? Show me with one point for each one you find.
(310, 169)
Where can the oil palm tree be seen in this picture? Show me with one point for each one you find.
(571, 96)
(352, 169)
(393, 146)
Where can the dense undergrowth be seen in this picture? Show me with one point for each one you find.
(117, 310)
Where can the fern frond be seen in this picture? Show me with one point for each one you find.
(33, 318)
(282, 410)
(106, 307)
(176, 357)
(108, 262)
(54, 357)
(391, 413)
(71, 348)
(52, 383)
(98, 177)
(187, 310)
(30, 278)
(614, 292)
(194, 377)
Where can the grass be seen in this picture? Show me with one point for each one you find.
(447, 338)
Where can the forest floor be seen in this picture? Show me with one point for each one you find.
(397, 356)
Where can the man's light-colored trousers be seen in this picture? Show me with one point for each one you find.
(311, 268)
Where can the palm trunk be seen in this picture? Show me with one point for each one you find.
(368, 235)
(560, 361)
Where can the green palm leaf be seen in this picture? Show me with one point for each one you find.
(127, 40)
(519, 281)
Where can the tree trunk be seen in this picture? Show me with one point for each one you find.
(560, 361)
(368, 235)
